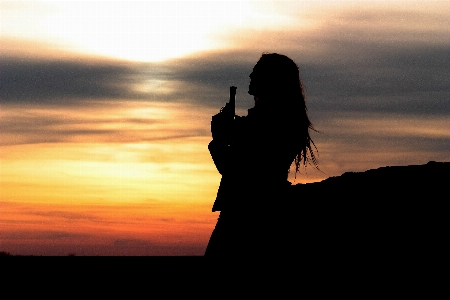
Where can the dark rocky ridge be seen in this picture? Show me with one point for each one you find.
(388, 214)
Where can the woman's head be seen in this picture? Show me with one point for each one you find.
(275, 83)
(275, 76)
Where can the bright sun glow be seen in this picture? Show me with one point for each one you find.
(142, 31)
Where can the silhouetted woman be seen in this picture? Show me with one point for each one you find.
(253, 197)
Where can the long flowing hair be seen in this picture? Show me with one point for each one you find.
(281, 81)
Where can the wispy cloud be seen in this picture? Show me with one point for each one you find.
(150, 228)
(101, 121)
(62, 82)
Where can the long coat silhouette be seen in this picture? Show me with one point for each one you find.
(253, 187)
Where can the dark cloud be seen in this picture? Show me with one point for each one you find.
(201, 79)
(65, 82)
(389, 72)
(66, 215)
(205, 78)
(42, 235)
(128, 243)
(407, 80)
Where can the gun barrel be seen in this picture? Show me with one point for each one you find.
(233, 98)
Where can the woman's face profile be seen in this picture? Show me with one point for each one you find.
(254, 87)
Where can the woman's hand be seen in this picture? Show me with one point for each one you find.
(222, 124)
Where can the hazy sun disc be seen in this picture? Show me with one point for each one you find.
(142, 31)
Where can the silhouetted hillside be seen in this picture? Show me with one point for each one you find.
(390, 213)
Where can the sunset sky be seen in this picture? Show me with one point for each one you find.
(106, 106)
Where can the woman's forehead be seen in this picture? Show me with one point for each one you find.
(259, 66)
